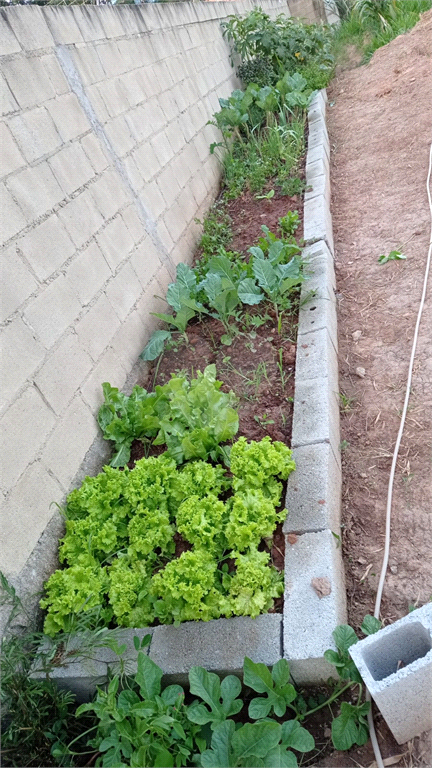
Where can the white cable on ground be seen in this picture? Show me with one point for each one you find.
(373, 737)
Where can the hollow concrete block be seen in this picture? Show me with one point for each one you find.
(310, 618)
(313, 498)
(219, 646)
(396, 665)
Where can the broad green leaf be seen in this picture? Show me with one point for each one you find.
(163, 759)
(257, 252)
(222, 266)
(186, 276)
(199, 714)
(212, 286)
(155, 346)
(275, 251)
(370, 625)
(344, 728)
(259, 707)
(296, 737)
(172, 695)
(207, 686)
(230, 689)
(126, 700)
(280, 757)
(255, 740)
(148, 677)
(248, 291)
(266, 275)
(174, 294)
(219, 754)
(281, 673)
(334, 658)
(344, 637)
(122, 455)
(257, 676)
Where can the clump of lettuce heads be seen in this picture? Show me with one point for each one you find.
(119, 550)
(192, 418)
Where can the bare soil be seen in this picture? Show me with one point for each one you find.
(379, 120)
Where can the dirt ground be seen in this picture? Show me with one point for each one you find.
(379, 120)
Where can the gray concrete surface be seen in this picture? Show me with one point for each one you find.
(396, 666)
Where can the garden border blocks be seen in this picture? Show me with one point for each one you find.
(396, 665)
(303, 633)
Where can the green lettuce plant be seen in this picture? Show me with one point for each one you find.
(119, 547)
(192, 418)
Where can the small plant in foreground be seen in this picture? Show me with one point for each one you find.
(392, 256)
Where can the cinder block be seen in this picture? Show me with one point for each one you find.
(115, 242)
(68, 116)
(24, 428)
(12, 220)
(219, 646)
(316, 357)
(168, 186)
(145, 261)
(318, 185)
(63, 372)
(8, 41)
(12, 158)
(36, 190)
(134, 223)
(53, 310)
(63, 26)
(28, 81)
(95, 151)
(134, 87)
(88, 63)
(130, 340)
(55, 73)
(16, 368)
(316, 414)
(97, 328)
(313, 498)
(152, 197)
(88, 23)
(80, 217)
(7, 101)
(123, 291)
(318, 221)
(21, 531)
(162, 149)
(63, 457)
(17, 282)
(114, 96)
(317, 168)
(139, 128)
(396, 666)
(119, 135)
(47, 247)
(309, 620)
(109, 368)
(318, 311)
(71, 168)
(109, 194)
(175, 220)
(88, 273)
(319, 269)
(30, 28)
(113, 63)
(35, 133)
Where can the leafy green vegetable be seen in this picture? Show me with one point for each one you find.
(275, 684)
(351, 727)
(121, 528)
(220, 697)
(191, 418)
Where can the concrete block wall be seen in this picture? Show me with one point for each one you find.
(105, 166)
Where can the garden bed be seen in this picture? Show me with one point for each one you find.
(314, 593)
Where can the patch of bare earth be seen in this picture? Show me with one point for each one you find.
(380, 131)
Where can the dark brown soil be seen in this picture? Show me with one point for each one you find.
(249, 214)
